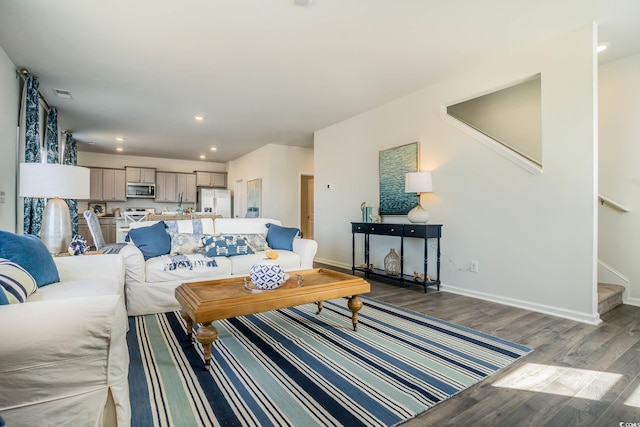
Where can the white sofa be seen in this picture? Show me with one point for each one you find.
(64, 357)
(150, 286)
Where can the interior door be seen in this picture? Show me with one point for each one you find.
(306, 206)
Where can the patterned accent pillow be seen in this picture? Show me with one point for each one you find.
(257, 241)
(15, 283)
(187, 243)
(226, 245)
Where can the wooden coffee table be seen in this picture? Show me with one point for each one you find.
(204, 302)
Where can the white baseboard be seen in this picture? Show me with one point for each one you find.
(333, 263)
(632, 301)
(541, 308)
(554, 311)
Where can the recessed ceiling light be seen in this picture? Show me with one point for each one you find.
(214, 148)
(602, 47)
(199, 118)
(119, 138)
(303, 2)
(119, 149)
(202, 156)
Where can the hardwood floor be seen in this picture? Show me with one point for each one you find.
(577, 375)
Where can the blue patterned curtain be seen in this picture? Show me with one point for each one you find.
(33, 207)
(51, 136)
(71, 158)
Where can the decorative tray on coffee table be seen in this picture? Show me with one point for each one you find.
(291, 282)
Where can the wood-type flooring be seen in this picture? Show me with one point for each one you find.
(577, 375)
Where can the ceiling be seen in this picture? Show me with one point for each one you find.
(264, 71)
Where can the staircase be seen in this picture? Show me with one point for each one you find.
(609, 297)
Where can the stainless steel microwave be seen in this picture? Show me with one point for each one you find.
(147, 191)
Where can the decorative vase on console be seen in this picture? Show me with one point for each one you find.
(392, 263)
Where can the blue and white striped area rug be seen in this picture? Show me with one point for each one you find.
(295, 368)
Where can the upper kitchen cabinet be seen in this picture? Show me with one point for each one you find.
(211, 179)
(107, 185)
(141, 175)
(171, 185)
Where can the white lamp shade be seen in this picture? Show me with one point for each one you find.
(49, 180)
(418, 182)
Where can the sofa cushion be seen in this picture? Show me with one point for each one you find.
(226, 245)
(31, 254)
(77, 289)
(281, 237)
(156, 269)
(152, 241)
(186, 243)
(15, 283)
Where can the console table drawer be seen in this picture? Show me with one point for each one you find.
(376, 228)
(425, 231)
(386, 229)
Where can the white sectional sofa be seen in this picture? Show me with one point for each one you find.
(150, 284)
(64, 357)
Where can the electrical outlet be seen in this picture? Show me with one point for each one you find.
(474, 266)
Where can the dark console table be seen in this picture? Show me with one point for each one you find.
(421, 231)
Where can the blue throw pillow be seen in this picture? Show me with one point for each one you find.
(31, 254)
(226, 245)
(281, 237)
(152, 241)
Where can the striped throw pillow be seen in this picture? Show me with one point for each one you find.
(16, 283)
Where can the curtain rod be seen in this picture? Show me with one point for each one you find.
(24, 73)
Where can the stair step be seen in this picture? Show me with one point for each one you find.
(609, 296)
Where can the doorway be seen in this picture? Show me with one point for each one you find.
(239, 199)
(306, 206)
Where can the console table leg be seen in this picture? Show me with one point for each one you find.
(207, 334)
(319, 307)
(354, 304)
(189, 322)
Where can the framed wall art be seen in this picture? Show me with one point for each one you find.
(100, 209)
(394, 164)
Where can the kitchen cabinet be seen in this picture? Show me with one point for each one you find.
(186, 184)
(107, 226)
(95, 184)
(211, 179)
(107, 185)
(113, 185)
(141, 175)
(166, 187)
(169, 186)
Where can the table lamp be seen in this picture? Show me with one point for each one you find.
(55, 182)
(418, 182)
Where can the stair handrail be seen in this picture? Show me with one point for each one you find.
(602, 199)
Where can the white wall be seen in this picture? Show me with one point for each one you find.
(280, 168)
(9, 110)
(619, 128)
(86, 158)
(533, 235)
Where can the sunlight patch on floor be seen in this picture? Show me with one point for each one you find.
(634, 399)
(564, 381)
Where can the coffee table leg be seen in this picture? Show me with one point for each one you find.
(354, 304)
(207, 333)
(319, 307)
(189, 322)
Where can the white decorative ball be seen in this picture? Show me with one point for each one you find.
(267, 275)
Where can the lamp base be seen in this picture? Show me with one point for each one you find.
(55, 232)
(418, 215)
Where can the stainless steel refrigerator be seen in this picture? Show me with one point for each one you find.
(215, 201)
